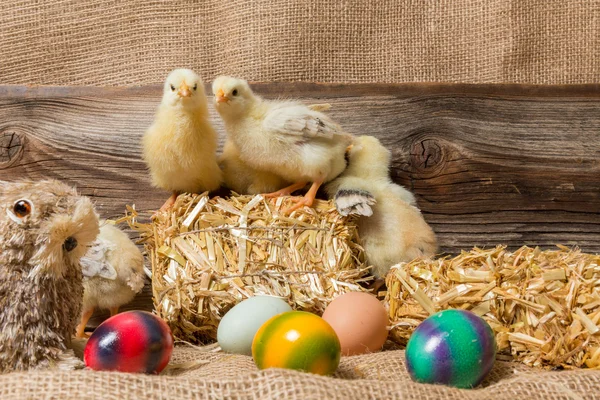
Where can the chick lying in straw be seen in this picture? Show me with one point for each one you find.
(391, 227)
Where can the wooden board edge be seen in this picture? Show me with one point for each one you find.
(330, 90)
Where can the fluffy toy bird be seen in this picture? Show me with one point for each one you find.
(180, 146)
(286, 138)
(113, 270)
(391, 227)
(45, 228)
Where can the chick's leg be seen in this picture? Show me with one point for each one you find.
(377, 284)
(170, 202)
(308, 198)
(85, 317)
(286, 191)
(114, 311)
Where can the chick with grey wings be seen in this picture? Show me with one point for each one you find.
(286, 138)
(113, 273)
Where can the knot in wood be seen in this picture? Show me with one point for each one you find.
(11, 147)
(427, 156)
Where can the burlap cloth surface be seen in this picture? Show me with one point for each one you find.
(373, 376)
(136, 42)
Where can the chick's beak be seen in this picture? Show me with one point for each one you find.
(221, 98)
(184, 90)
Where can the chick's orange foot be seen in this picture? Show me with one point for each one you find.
(301, 202)
(168, 204)
(286, 191)
(85, 317)
(307, 200)
(376, 285)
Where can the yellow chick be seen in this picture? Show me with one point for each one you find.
(243, 179)
(180, 146)
(390, 225)
(299, 144)
(113, 270)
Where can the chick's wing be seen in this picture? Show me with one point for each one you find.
(96, 263)
(299, 120)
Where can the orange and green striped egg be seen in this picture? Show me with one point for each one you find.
(297, 340)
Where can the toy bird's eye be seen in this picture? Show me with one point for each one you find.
(172, 88)
(195, 86)
(234, 92)
(22, 208)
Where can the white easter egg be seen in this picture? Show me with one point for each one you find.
(238, 327)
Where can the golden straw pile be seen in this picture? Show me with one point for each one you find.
(544, 306)
(209, 254)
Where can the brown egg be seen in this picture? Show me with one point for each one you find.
(360, 322)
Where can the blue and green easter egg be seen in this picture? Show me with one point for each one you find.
(453, 347)
(297, 340)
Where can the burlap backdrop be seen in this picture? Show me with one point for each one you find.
(374, 376)
(135, 42)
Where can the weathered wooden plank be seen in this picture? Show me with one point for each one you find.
(489, 164)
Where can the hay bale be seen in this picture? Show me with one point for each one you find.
(209, 254)
(544, 306)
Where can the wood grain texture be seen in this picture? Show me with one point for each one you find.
(489, 164)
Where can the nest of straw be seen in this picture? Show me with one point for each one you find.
(544, 306)
(208, 254)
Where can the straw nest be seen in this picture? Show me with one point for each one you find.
(209, 254)
(544, 306)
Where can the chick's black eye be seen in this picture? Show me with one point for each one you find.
(234, 92)
(195, 86)
(172, 88)
(22, 208)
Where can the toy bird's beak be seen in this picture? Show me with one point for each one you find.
(184, 90)
(70, 243)
(221, 98)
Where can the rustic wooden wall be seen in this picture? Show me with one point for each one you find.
(489, 164)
